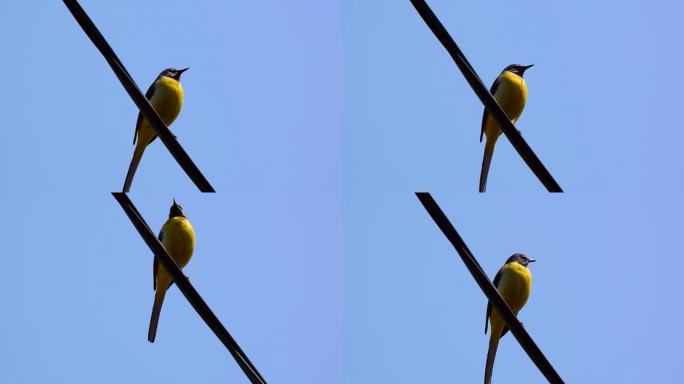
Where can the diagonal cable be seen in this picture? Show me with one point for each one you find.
(188, 290)
(488, 288)
(486, 98)
(139, 99)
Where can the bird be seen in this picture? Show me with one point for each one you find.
(166, 96)
(178, 238)
(514, 282)
(510, 91)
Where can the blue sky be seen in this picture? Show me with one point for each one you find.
(599, 115)
(261, 120)
(316, 122)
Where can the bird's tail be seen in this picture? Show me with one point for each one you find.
(137, 155)
(491, 354)
(486, 160)
(156, 309)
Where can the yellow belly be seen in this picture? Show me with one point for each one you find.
(511, 94)
(515, 286)
(167, 100)
(179, 240)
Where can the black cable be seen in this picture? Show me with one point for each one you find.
(139, 99)
(188, 290)
(488, 288)
(486, 98)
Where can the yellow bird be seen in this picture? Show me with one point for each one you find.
(178, 238)
(166, 97)
(510, 91)
(514, 282)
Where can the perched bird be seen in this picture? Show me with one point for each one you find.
(166, 97)
(510, 91)
(178, 238)
(514, 282)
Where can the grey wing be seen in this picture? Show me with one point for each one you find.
(489, 304)
(485, 114)
(155, 263)
(148, 96)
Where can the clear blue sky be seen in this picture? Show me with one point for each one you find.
(316, 122)
(605, 299)
(261, 120)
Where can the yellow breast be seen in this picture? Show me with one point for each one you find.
(511, 94)
(179, 239)
(167, 99)
(515, 285)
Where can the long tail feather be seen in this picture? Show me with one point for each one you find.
(154, 319)
(486, 161)
(491, 354)
(137, 155)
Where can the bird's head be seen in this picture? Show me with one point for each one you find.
(520, 258)
(176, 210)
(518, 69)
(173, 73)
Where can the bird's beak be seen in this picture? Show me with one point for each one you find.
(526, 67)
(174, 202)
(531, 260)
(179, 73)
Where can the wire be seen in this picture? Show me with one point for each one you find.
(486, 98)
(188, 290)
(488, 288)
(146, 109)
